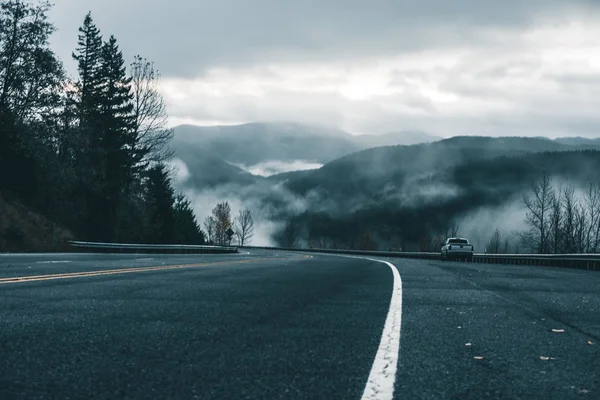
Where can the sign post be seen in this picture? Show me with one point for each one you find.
(229, 234)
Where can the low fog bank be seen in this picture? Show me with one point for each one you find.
(269, 168)
(264, 210)
(271, 204)
(179, 170)
(508, 219)
(204, 202)
(415, 207)
(266, 201)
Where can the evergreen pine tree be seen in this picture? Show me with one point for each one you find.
(160, 199)
(116, 134)
(89, 62)
(187, 230)
(88, 160)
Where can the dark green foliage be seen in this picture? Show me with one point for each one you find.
(291, 233)
(187, 230)
(160, 197)
(114, 136)
(89, 63)
(405, 216)
(368, 172)
(71, 150)
(29, 70)
(86, 140)
(29, 77)
(17, 167)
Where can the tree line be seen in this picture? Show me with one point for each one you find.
(89, 152)
(562, 220)
(558, 220)
(391, 224)
(222, 230)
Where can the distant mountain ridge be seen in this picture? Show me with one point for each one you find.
(371, 169)
(406, 194)
(405, 138)
(253, 143)
(214, 154)
(395, 191)
(576, 141)
(209, 171)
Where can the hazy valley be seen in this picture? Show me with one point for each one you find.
(339, 190)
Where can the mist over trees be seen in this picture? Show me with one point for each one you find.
(562, 220)
(87, 152)
(417, 210)
(221, 218)
(244, 226)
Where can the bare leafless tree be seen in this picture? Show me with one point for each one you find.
(452, 229)
(150, 112)
(538, 204)
(445, 231)
(493, 246)
(592, 206)
(570, 215)
(581, 227)
(506, 246)
(367, 242)
(221, 214)
(556, 220)
(244, 226)
(209, 226)
(290, 235)
(574, 223)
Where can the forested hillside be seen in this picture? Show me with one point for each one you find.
(362, 178)
(411, 197)
(86, 152)
(253, 143)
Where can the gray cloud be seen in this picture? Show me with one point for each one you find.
(460, 67)
(187, 36)
(479, 225)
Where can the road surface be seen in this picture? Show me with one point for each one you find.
(277, 325)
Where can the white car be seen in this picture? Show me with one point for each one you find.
(457, 248)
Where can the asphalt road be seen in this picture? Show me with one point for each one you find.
(269, 325)
(454, 312)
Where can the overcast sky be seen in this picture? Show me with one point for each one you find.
(476, 67)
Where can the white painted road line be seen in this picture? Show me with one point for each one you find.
(52, 262)
(380, 385)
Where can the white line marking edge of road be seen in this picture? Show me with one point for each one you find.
(380, 384)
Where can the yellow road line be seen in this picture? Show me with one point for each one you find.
(70, 275)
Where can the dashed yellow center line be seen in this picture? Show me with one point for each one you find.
(70, 275)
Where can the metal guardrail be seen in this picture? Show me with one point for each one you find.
(420, 255)
(150, 248)
(581, 261)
